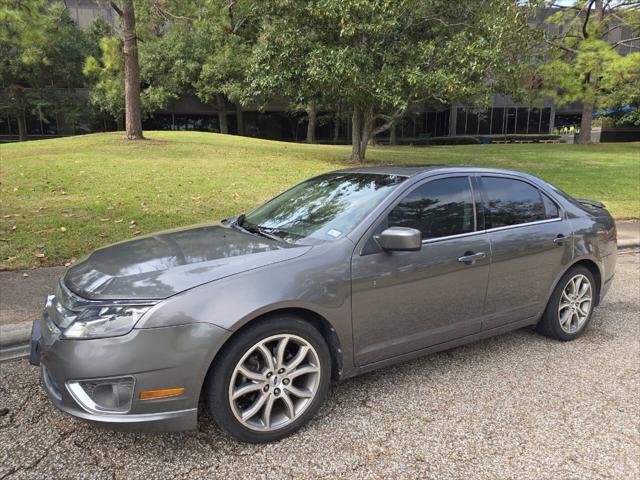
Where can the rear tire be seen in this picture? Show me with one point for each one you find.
(570, 307)
(269, 380)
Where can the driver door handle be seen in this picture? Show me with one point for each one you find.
(470, 258)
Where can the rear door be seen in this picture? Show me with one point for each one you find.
(406, 301)
(530, 240)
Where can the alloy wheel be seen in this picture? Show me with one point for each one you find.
(274, 382)
(575, 303)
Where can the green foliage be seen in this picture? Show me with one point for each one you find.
(583, 65)
(387, 54)
(199, 48)
(106, 74)
(41, 57)
(379, 57)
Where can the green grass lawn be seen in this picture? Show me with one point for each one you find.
(62, 198)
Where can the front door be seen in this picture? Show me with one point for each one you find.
(406, 301)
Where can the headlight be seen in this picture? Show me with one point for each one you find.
(110, 321)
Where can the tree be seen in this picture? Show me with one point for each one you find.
(41, 57)
(380, 57)
(105, 70)
(133, 115)
(202, 49)
(583, 65)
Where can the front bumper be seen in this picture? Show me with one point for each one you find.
(157, 358)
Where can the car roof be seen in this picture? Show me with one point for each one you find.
(417, 169)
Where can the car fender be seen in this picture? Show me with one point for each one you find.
(319, 282)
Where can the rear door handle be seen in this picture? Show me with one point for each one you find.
(561, 239)
(470, 258)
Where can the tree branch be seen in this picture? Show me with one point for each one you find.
(390, 119)
(116, 8)
(585, 34)
(561, 47)
(166, 13)
(624, 42)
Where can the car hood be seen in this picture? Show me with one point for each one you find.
(163, 264)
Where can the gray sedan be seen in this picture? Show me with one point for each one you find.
(344, 273)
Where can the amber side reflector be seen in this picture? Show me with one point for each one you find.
(169, 392)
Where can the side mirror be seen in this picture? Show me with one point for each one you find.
(400, 239)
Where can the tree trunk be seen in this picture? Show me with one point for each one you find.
(584, 137)
(362, 123)
(133, 118)
(356, 131)
(336, 128)
(22, 126)
(311, 125)
(222, 113)
(393, 135)
(239, 119)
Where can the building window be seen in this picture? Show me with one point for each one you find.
(534, 121)
(510, 124)
(497, 121)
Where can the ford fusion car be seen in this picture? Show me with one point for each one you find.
(346, 272)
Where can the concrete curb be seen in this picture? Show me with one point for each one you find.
(14, 337)
(14, 340)
(628, 244)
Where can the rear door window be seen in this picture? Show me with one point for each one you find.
(512, 202)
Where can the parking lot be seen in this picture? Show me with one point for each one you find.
(516, 406)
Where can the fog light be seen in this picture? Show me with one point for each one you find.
(108, 395)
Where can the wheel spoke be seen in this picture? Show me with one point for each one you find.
(566, 317)
(298, 392)
(250, 374)
(583, 290)
(584, 311)
(255, 407)
(297, 360)
(246, 388)
(282, 345)
(268, 408)
(564, 305)
(577, 284)
(303, 371)
(291, 410)
(268, 356)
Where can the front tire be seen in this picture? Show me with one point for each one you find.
(570, 307)
(269, 380)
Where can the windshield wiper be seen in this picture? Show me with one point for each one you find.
(262, 231)
(255, 229)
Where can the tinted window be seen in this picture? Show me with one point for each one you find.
(512, 202)
(438, 209)
(550, 208)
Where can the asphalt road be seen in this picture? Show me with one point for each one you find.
(515, 406)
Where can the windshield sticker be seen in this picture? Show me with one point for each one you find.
(334, 233)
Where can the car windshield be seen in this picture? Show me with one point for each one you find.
(323, 208)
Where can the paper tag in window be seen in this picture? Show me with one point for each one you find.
(334, 233)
